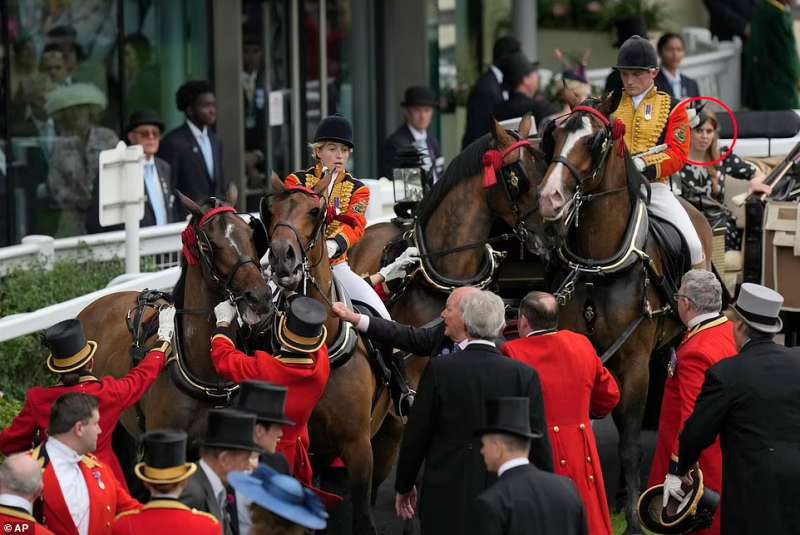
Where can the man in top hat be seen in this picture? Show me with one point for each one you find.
(753, 403)
(192, 150)
(145, 128)
(20, 486)
(448, 410)
(301, 365)
(524, 499)
(567, 362)
(165, 474)
(72, 359)
(418, 104)
(268, 403)
(228, 446)
(708, 341)
(81, 495)
(521, 78)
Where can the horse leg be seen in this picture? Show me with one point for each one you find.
(357, 456)
(628, 418)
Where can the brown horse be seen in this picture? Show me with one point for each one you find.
(227, 268)
(453, 225)
(354, 404)
(593, 195)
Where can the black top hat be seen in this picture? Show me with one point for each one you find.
(230, 429)
(418, 95)
(516, 67)
(698, 513)
(508, 416)
(69, 349)
(265, 400)
(335, 128)
(637, 53)
(138, 118)
(164, 459)
(302, 326)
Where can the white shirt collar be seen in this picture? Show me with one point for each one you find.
(196, 131)
(418, 135)
(59, 452)
(12, 500)
(700, 318)
(498, 74)
(216, 483)
(477, 341)
(148, 160)
(513, 463)
(640, 97)
(672, 78)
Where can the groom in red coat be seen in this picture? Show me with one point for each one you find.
(567, 362)
(709, 340)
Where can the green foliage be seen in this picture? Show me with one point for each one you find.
(8, 410)
(654, 13)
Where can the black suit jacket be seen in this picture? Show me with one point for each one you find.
(688, 86)
(485, 95)
(727, 18)
(199, 495)
(753, 402)
(276, 461)
(448, 409)
(518, 105)
(149, 219)
(190, 174)
(402, 137)
(526, 500)
(423, 341)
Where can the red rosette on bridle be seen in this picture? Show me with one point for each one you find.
(189, 240)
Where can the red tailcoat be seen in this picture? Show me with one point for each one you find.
(107, 498)
(703, 346)
(167, 516)
(305, 383)
(114, 396)
(575, 385)
(20, 522)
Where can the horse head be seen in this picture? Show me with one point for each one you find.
(227, 249)
(577, 146)
(297, 218)
(513, 168)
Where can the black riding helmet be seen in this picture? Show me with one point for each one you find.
(637, 53)
(335, 128)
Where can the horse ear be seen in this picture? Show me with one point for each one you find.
(500, 135)
(277, 183)
(322, 185)
(525, 125)
(190, 206)
(232, 194)
(607, 106)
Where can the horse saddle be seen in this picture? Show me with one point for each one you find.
(676, 259)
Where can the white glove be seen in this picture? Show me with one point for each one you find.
(672, 487)
(166, 324)
(398, 268)
(225, 312)
(332, 246)
(639, 164)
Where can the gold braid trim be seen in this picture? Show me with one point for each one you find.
(342, 190)
(642, 134)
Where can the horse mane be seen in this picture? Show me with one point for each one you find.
(466, 164)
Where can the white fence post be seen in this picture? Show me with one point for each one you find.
(47, 248)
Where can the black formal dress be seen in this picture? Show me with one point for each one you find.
(149, 219)
(402, 138)
(190, 173)
(423, 341)
(519, 104)
(525, 500)
(199, 495)
(727, 18)
(752, 401)
(485, 95)
(448, 409)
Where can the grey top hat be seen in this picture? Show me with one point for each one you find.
(759, 307)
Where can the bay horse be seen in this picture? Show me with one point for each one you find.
(226, 266)
(452, 230)
(592, 196)
(354, 404)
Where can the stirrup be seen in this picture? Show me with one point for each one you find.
(405, 402)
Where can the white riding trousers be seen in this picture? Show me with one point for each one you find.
(665, 205)
(359, 289)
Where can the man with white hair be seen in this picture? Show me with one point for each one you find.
(708, 341)
(20, 486)
(449, 408)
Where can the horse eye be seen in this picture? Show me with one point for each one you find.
(314, 212)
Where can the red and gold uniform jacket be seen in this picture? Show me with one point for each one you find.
(107, 496)
(653, 123)
(349, 197)
(114, 396)
(19, 521)
(568, 363)
(305, 378)
(166, 515)
(704, 346)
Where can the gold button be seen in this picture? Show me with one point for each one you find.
(589, 460)
(591, 479)
(563, 462)
(555, 429)
(582, 427)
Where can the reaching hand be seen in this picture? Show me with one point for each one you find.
(166, 324)
(639, 164)
(399, 267)
(332, 247)
(405, 504)
(225, 313)
(341, 310)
